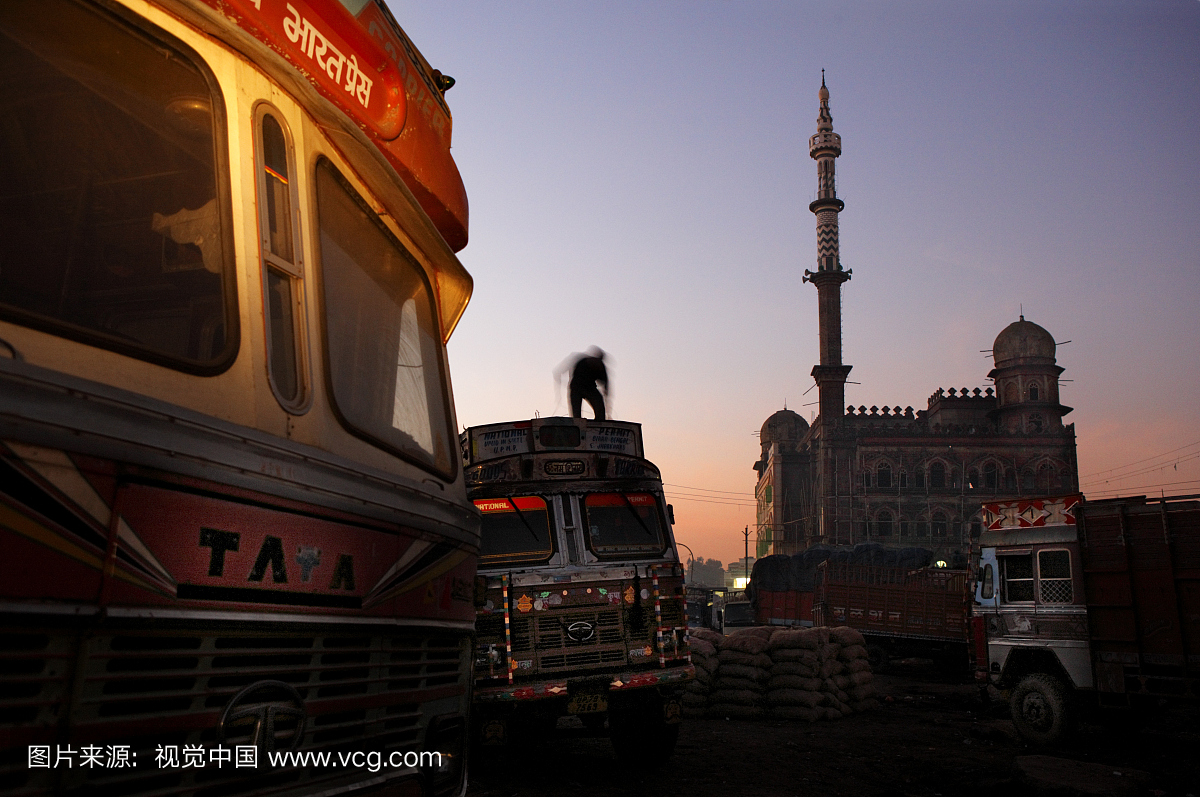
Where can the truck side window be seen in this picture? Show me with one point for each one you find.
(282, 271)
(1017, 575)
(988, 588)
(1054, 577)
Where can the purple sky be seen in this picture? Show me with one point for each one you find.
(639, 180)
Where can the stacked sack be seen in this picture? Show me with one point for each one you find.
(703, 643)
(802, 673)
(818, 673)
(740, 686)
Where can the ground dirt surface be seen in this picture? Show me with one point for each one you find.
(929, 737)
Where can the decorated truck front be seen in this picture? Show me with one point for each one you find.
(580, 597)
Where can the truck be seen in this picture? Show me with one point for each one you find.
(1086, 605)
(580, 596)
(892, 596)
(900, 612)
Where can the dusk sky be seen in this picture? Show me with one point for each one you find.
(639, 180)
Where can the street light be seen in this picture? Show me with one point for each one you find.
(691, 556)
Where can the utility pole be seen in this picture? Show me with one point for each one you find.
(746, 560)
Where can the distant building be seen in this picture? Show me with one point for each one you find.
(898, 476)
(736, 574)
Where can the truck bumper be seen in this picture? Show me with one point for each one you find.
(617, 682)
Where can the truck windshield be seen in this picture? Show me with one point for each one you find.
(515, 529)
(623, 523)
(739, 614)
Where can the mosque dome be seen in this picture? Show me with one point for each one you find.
(783, 425)
(1023, 343)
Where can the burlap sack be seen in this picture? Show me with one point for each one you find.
(794, 668)
(834, 701)
(696, 688)
(741, 697)
(794, 654)
(828, 652)
(852, 652)
(702, 647)
(763, 632)
(829, 713)
(858, 665)
(731, 682)
(844, 635)
(761, 660)
(804, 638)
(842, 681)
(743, 671)
(707, 634)
(744, 643)
(861, 678)
(795, 697)
(694, 701)
(794, 682)
(832, 667)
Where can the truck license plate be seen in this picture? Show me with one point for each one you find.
(587, 703)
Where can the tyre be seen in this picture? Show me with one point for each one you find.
(1041, 710)
(640, 736)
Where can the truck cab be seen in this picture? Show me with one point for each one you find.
(580, 596)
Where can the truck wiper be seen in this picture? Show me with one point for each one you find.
(521, 516)
(636, 516)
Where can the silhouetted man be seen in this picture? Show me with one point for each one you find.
(587, 371)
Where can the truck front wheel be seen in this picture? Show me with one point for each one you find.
(1041, 709)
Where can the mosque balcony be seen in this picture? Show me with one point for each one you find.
(825, 143)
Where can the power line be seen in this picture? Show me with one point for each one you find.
(1143, 471)
(1158, 486)
(1140, 461)
(677, 497)
(705, 489)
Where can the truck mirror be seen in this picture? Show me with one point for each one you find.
(671, 514)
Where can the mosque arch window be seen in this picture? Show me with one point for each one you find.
(906, 528)
(883, 475)
(1034, 393)
(1047, 477)
(938, 524)
(937, 476)
(922, 528)
(883, 524)
(973, 478)
(991, 478)
(903, 479)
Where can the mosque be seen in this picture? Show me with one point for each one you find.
(893, 475)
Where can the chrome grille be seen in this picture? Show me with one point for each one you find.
(143, 689)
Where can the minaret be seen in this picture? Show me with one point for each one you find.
(830, 375)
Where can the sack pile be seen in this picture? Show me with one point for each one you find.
(783, 673)
(703, 643)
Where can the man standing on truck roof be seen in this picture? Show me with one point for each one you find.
(587, 371)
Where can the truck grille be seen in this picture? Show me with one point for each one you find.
(141, 688)
(542, 636)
